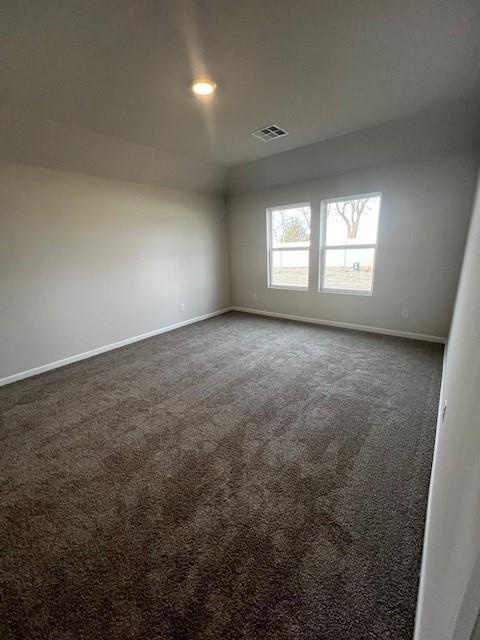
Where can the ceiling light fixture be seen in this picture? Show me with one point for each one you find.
(203, 87)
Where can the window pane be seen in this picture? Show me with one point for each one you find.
(290, 268)
(352, 221)
(349, 269)
(290, 227)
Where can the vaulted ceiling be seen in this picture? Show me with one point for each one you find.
(318, 68)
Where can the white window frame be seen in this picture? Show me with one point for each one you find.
(323, 245)
(271, 249)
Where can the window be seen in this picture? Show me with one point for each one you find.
(288, 246)
(348, 243)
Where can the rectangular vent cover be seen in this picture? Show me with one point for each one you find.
(269, 133)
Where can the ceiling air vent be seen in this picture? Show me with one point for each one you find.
(269, 133)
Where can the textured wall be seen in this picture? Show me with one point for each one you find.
(425, 213)
(85, 262)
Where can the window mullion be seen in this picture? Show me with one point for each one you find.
(291, 248)
(351, 246)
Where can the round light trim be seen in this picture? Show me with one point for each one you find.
(203, 87)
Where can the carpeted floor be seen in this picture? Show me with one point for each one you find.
(240, 478)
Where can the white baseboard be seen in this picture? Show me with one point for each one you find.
(109, 347)
(345, 325)
(121, 343)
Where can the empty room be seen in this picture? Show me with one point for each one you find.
(240, 320)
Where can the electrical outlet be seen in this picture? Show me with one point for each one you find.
(182, 307)
(405, 313)
(255, 296)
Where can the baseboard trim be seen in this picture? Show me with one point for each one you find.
(344, 325)
(122, 343)
(109, 347)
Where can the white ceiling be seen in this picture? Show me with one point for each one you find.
(318, 68)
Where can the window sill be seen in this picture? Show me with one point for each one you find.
(347, 292)
(287, 288)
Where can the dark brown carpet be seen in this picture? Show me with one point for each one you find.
(239, 478)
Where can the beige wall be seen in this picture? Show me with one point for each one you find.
(425, 213)
(449, 598)
(85, 262)
(476, 632)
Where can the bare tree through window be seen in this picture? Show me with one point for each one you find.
(349, 243)
(292, 226)
(351, 211)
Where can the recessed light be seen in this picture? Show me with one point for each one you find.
(203, 87)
